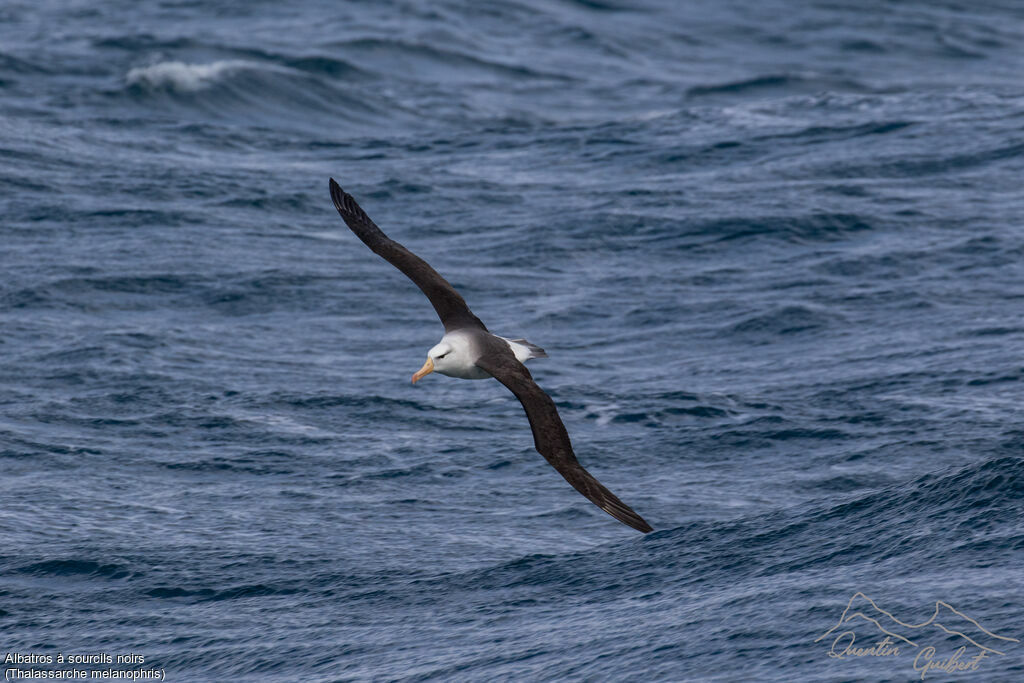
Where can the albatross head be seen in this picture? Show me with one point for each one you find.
(451, 356)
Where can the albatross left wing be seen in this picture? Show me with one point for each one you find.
(549, 435)
(450, 306)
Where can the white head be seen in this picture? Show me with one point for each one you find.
(450, 356)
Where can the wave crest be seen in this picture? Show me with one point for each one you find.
(183, 77)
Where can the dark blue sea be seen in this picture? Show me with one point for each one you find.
(774, 250)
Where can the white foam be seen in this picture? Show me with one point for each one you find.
(181, 76)
(605, 413)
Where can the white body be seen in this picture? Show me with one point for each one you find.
(455, 356)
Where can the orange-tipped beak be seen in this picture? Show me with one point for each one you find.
(427, 368)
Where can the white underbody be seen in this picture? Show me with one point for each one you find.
(453, 355)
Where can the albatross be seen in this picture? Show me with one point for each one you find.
(469, 351)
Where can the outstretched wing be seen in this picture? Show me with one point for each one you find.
(448, 303)
(550, 437)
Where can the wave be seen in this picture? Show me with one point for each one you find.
(937, 163)
(431, 62)
(74, 567)
(308, 92)
(784, 84)
(785, 320)
(182, 77)
(190, 77)
(320, 90)
(10, 64)
(929, 522)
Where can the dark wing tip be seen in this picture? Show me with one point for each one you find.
(338, 196)
(629, 518)
(622, 512)
(598, 494)
(346, 204)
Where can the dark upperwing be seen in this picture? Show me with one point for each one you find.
(549, 435)
(450, 306)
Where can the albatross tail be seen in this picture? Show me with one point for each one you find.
(524, 350)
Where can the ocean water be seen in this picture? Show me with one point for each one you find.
(774, 250)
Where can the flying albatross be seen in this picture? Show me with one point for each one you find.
(467, 350)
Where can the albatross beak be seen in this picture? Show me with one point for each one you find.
(427, 368)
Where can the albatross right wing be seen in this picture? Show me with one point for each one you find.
(450, 306)
(550, 438)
